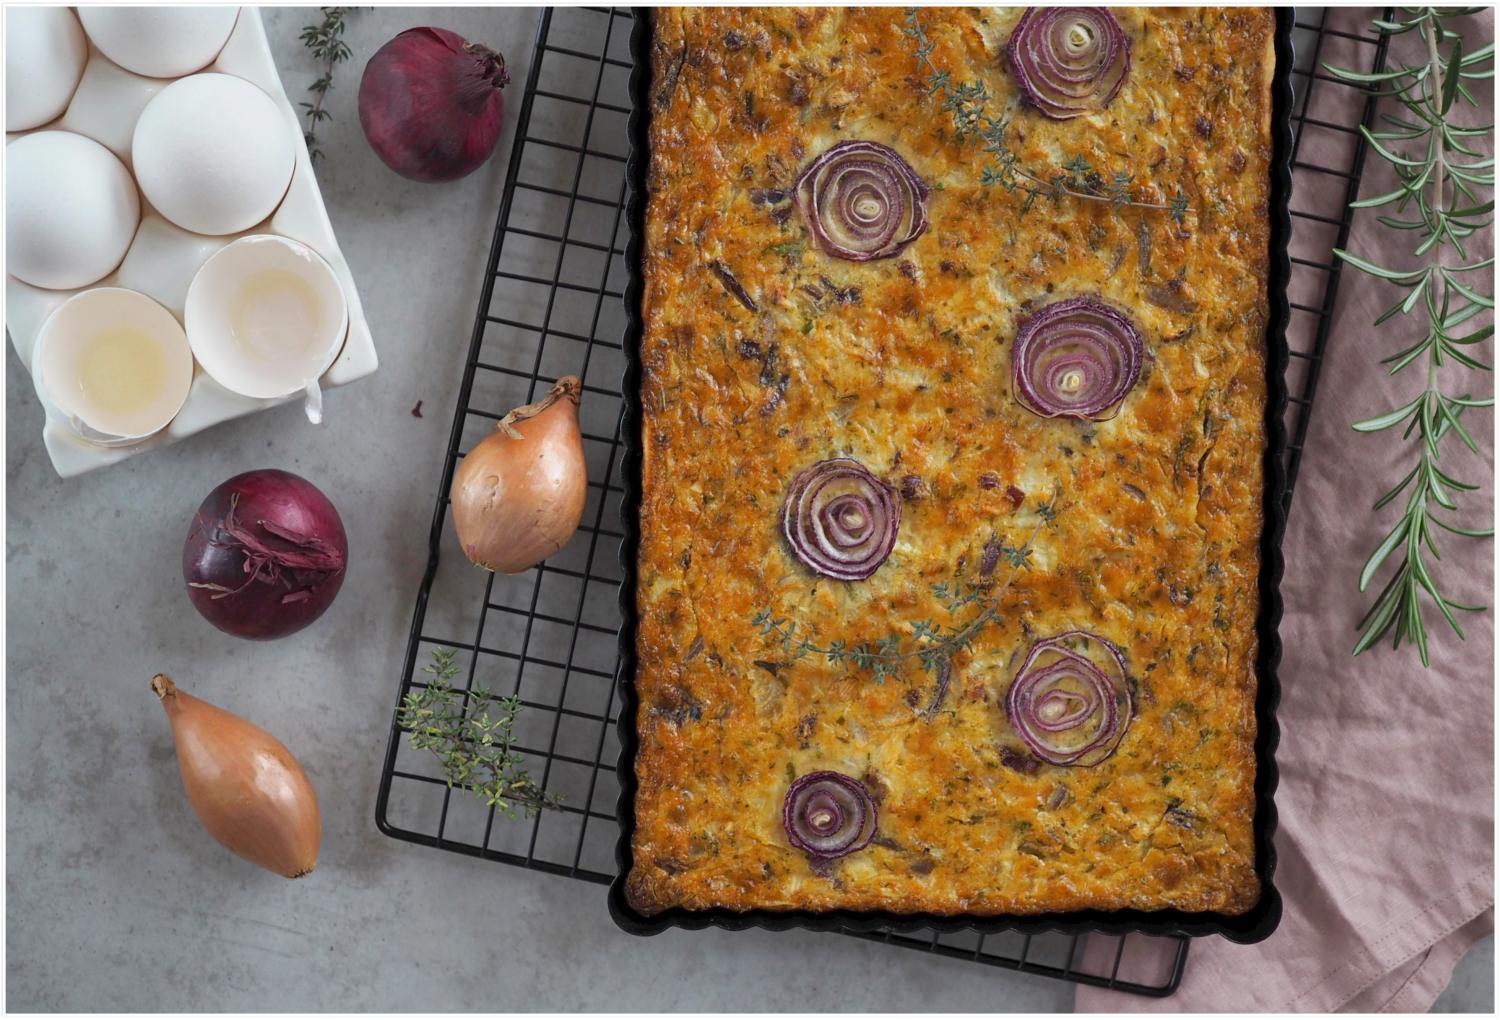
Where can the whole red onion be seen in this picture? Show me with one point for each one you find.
(430, 104)
(265, 555)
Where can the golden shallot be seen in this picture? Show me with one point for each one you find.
(519, 494)
(245, 786)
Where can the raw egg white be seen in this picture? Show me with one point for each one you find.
(213, 154)
(115, 363)
(160, 42)
(266, 316)
(70, 210)
(44, 56)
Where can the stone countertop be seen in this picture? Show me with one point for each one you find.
(117, 900)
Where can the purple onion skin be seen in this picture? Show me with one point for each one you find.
(265, 609)
(430, 104)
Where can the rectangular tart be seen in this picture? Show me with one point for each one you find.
(1108, 561)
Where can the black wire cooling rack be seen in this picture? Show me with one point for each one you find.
(551, 304)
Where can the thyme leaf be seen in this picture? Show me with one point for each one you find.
(933, 645)
(965, 103)
(472, 734)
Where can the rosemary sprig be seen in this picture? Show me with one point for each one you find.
(326, 41)
(935, 644)
(474, 745)
(1440, 176)
(1077, 178)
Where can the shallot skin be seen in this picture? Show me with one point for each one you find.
(519, 494)
(246, 788)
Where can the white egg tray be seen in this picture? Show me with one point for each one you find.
(163, 258)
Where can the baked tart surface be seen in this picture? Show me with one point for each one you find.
(889, 408)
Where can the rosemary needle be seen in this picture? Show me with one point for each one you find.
(1441, 176)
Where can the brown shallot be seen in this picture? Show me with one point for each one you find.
(519, 494)
(244, 785)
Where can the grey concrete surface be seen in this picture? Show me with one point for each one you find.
(116, 899)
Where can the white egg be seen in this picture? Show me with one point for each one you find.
(70, 210)
(44, 56)
(213, 154)
(160, 42)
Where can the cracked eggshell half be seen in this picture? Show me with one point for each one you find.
(266, 316)
(115, 364)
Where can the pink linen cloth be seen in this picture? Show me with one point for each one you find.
(1385, 848)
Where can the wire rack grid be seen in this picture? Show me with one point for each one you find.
(551, 305)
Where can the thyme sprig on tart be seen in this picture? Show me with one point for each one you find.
(1069, 62)
(933, 645)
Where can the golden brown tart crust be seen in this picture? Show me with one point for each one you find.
(1156, 542)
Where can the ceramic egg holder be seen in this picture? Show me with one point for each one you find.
(163, 258)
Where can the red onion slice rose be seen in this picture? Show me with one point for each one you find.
(840, 520)
(1076, 359)
(1070, 701)
(828, 815)
(1069, 61)
(862, 201)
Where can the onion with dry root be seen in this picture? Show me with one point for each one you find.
(245, 786)
(519, 494)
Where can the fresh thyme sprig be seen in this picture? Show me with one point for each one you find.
(936, 644)
(1439, 177)
(1077, 178)
(474, 746)
(326, 41)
